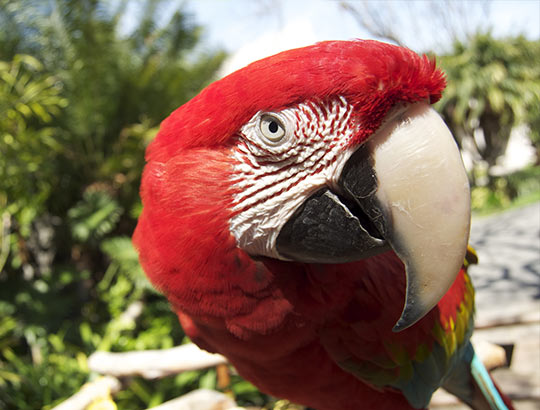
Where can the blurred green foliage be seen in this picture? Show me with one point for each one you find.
(493, 86)
(79, 102)
(516, 189)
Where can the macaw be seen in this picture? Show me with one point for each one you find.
(308, 217)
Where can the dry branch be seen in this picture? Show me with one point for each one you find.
(152, 364)
(491, 355)
(102, 387)
(202, 399)
(159, 363)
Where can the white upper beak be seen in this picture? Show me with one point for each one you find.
(424, 187)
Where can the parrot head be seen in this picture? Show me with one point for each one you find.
(327, 154)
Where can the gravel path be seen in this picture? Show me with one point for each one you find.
(507, 277)
(507, 283)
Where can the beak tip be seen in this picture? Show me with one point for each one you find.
(398, 327)
(408, 317)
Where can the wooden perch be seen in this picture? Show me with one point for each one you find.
(100, 388)
(152, 364)
(491, 355)
(202, 399)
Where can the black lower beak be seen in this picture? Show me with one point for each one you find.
(332, 228)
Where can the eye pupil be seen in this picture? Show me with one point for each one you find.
(273, 127)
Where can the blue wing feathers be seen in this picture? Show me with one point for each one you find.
(486, 385)
(470, 379)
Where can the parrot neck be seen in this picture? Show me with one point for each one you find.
(321, 290)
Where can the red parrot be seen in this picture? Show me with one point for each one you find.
(307, 217)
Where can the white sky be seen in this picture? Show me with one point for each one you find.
(252, 29)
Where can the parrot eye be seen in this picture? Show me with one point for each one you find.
(272, 128)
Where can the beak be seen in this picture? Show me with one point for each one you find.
(404, 189)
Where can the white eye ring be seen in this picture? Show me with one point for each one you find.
(272, 128)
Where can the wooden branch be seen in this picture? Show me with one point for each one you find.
(373, 20)
(199, 399)
(152, 364)
(100, 388)
(491, 355)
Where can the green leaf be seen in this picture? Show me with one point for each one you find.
(86, 333)
(94, 216)
(208, 380)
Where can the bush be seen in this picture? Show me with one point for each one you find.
(79, 103)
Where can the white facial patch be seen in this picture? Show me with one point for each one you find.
(281, 159)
